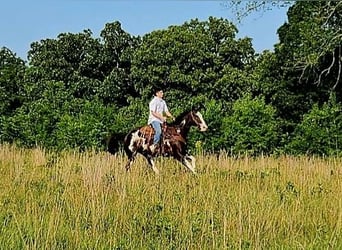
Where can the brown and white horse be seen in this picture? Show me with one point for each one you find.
(173, 142)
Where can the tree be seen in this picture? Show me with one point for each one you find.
(34, 123)
(301, 71)
(311, 42)
(193, 59)
(12, 71)
(320, 132)
(74, 59)
(118, 48)
(86, 128)
(243, 8)
(311, 39)
(252, 127)
(90, 67)
(281, 89)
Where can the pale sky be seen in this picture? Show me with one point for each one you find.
(24, 22)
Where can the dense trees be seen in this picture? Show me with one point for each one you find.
(11, 75)
(76, 89)
(197, 58)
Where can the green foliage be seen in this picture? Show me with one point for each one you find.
(310, 44)
(190, 58)
(320, 132)
(129, 117)
(212, 140)
(312, 32)
(84, 129)
(90, 67)
(252, 127)
(56, 120)
(76, 89)
(233, 84)
(34, 122)
(116, 88)
(11, 75)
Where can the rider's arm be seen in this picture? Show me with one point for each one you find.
(169, 115)
(159, 116)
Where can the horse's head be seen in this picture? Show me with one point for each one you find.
(197, 120)
(190, 118)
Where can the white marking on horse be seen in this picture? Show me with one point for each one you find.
(203, 125)
(183, 122)
(134, 140)
(154, 167)
(144, 143)
(188, 164)
(193, 161)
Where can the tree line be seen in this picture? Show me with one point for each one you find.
(77, 90)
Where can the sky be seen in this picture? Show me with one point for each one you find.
(24, 22)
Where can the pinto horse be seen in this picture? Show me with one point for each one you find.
(173, 140)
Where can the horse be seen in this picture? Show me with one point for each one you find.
(173, 140)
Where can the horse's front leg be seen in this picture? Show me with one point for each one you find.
(187, 161)
(192, 160)
(179, 153)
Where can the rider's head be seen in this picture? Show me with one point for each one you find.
(158, 92)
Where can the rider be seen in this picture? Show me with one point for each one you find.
(158, 110)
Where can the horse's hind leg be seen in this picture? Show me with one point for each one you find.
(129, 163)
(131, 158)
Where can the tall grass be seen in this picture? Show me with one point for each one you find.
(87, 200)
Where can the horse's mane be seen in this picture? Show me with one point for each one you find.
(179, 118)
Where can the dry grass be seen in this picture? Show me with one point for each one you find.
(87, 201)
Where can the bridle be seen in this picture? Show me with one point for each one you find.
(193, 118)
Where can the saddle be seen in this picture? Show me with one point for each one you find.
(168, 135)
(148, 133)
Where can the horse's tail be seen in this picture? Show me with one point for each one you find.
(114, 142)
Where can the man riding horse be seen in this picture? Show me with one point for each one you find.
(146, 140)
(157, 109)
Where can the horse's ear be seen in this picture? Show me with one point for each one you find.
(198, 107)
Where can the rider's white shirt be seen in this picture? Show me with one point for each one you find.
(158, 105)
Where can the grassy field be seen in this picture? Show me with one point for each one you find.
(87, 201)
